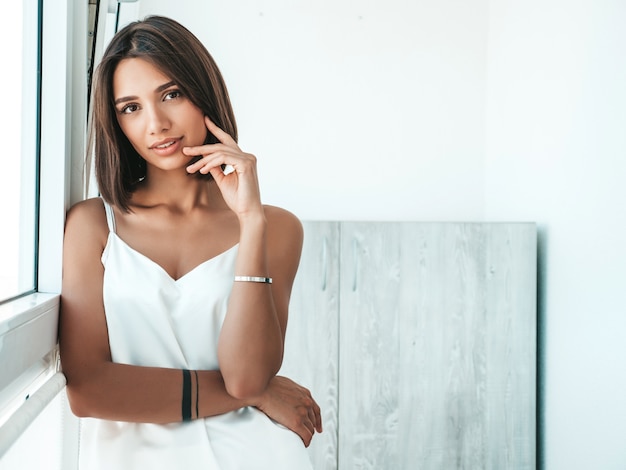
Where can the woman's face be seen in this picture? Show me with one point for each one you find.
(154, 115)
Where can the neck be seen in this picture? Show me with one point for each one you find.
(180, 191)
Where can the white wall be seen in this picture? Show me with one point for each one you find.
(356, 110)
(556, 154)
(448, 110)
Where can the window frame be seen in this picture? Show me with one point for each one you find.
(33, 186)
(29, 323)
(64, 177)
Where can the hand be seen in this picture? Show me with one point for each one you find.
(291, 405)
(240, 188)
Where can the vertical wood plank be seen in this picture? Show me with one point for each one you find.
(369, 411)
(437, 346)
(448, 363)
(512, 334)
(311, 345)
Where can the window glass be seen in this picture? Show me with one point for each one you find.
(20, 129)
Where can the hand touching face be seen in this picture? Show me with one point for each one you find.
(155, 116)
(239, 187)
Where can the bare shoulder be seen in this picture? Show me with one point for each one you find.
(89, 208)
(284, 242)
(283, 226)
(87, 220)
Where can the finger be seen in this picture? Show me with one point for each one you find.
(318, 418)
(309, 423)
(221, 135)
(217, 173)
(306, 435)
(315, 414)
(202, 167)
(310, 414)
(308, 419)
(312, 418)
(205, 149)
(209, 161)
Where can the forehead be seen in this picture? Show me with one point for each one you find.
(136, 76)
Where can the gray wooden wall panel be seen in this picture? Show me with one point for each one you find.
(436, 343)
(437, 347)
(312, 343)
(513, 297)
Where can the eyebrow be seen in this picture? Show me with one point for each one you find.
(159, 89)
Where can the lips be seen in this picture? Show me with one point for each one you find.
(167, 147)
(164, 146)
(165, 143)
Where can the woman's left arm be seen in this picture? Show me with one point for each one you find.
(250, 346)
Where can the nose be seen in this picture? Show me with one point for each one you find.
(157, 120)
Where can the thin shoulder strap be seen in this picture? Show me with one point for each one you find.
(110, 216)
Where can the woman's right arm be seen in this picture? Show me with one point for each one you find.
(98, 387)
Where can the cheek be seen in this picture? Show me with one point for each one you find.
(194, 123)
(200, 132)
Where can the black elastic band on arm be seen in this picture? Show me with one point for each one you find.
(197, 393)
(186, 404)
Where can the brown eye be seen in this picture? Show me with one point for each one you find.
(170, 95)
(129, 108)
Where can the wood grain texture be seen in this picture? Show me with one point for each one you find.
(418, 340)
(312, 342)
(437, 346)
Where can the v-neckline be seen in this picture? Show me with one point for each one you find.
(162, 269)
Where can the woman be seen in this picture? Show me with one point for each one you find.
(176, 282)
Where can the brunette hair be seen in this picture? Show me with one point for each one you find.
(179, 55)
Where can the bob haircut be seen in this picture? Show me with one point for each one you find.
(179, 55)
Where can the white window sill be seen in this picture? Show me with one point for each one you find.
(28, 332)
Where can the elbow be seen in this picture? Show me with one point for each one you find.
(245, 380)
(245, 388)
(79, 404)
(248, 383)
(84, 398)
